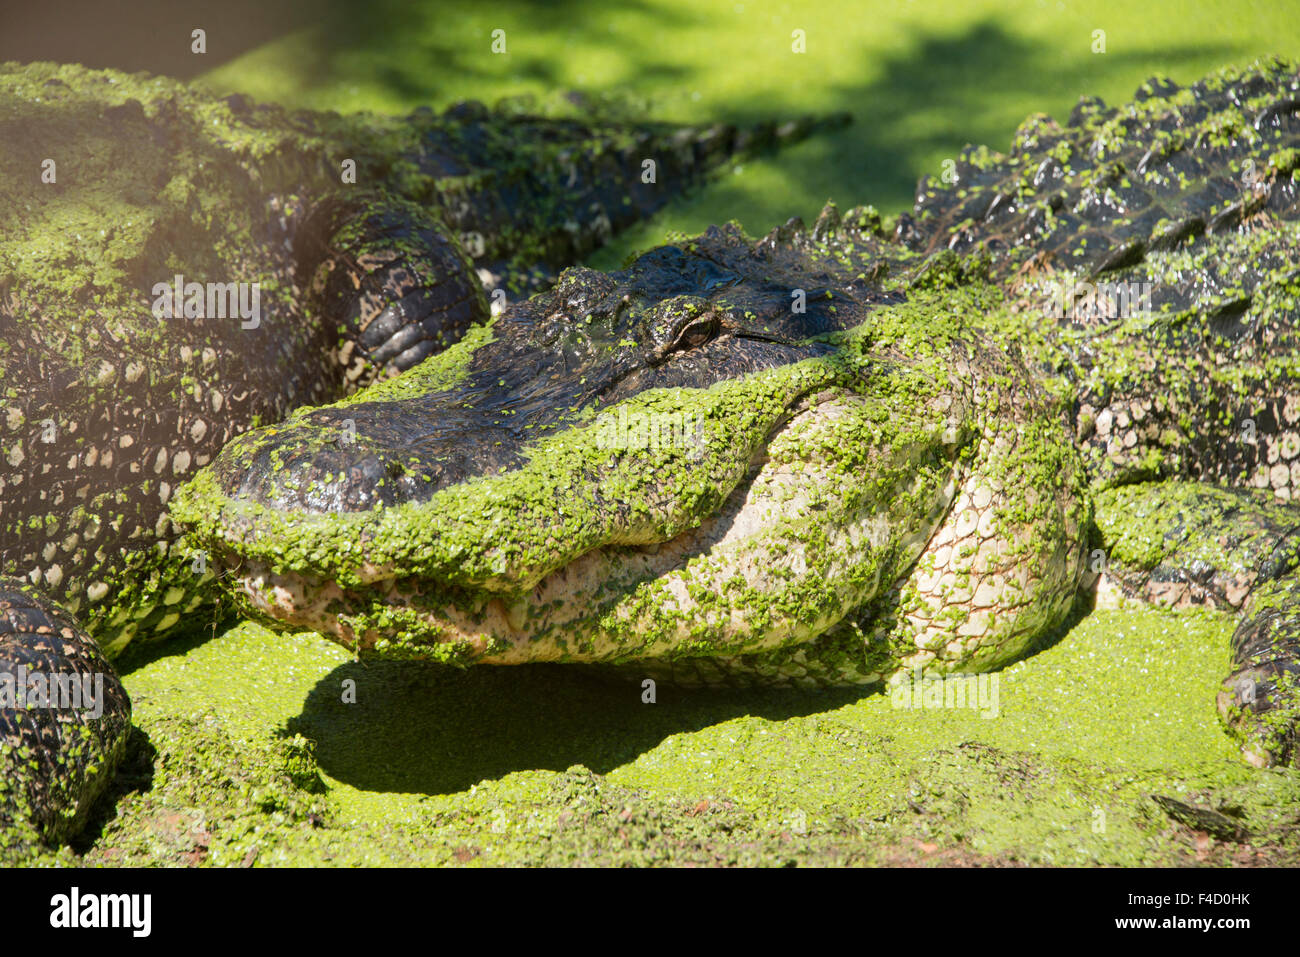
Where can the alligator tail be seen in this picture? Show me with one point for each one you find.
(765, 136)
(570, 185)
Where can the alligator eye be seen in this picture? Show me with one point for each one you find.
(697, 332)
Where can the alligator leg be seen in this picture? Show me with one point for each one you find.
(1004, 564)
(64, 721)
(392, 277)
(1184, 543)
(1260, 701)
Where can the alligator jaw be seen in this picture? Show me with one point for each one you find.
(768, 540)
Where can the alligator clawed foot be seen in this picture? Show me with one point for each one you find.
(398, 285)
(1260, 701)
(1181, 544)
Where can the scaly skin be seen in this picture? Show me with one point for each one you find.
(374, 242)
(810, 487)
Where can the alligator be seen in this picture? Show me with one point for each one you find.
(840, 454)
(177, 267)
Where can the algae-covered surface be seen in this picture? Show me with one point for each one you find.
(267, 749)
(256, 748)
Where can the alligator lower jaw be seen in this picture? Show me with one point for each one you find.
(545, 625)
(495, 628)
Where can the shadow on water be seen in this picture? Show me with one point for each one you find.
(135, 775)
(434, 730)
(156, 36)
(931, 96)
(414, 49)
(416, 727)
(152, 35)
(915, 104)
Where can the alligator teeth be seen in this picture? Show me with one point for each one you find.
(517, 613)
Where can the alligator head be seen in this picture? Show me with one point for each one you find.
(708, 458)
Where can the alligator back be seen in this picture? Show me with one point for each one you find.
(164, 270)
